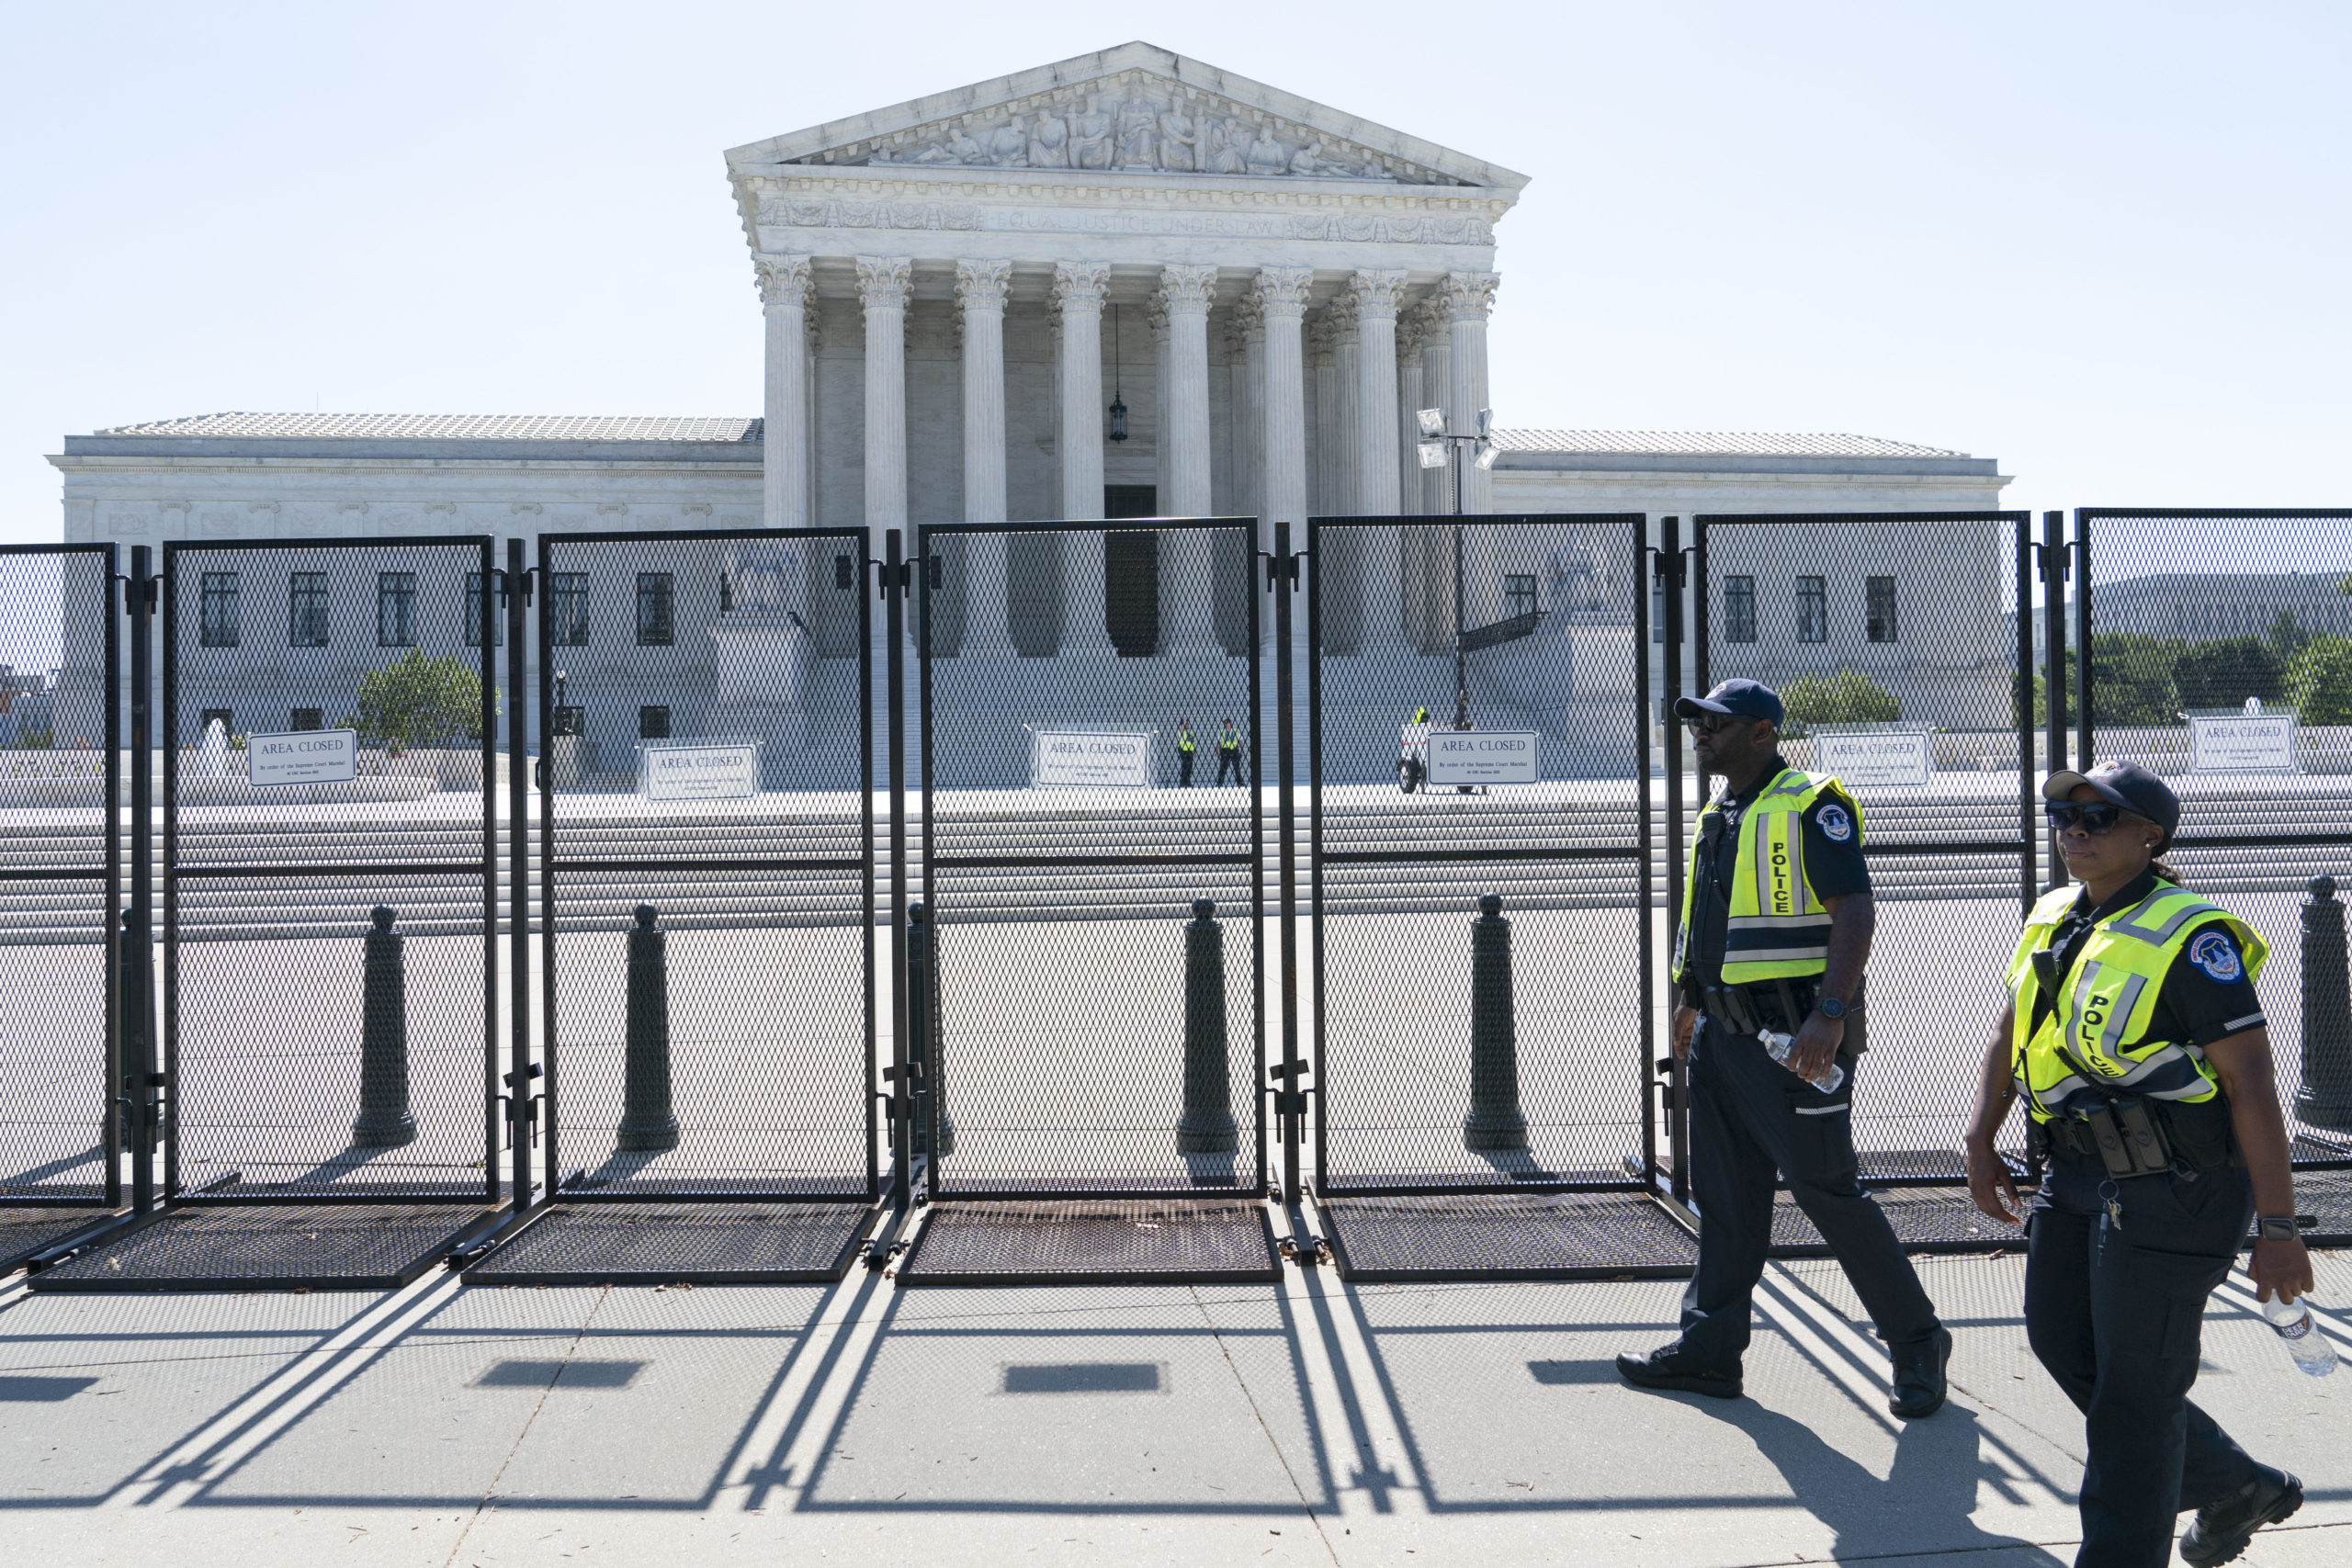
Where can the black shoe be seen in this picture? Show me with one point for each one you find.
(2221, 1532)
(1919, 1384)
(1664, 1369)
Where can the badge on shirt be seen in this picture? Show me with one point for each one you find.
(2214, 953)
(1834, 825)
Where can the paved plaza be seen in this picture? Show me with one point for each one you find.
(1303, 1422)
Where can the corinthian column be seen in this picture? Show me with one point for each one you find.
(1281, 293)
(1344, 496)
(1437, 391)
(1249, 356)
(980, 288)
(1322, 384)
(1078, 288)
(1186, 580)
(882, 289)
(1410, 403)
(1470, 299)
(1155, 315)
(784, 448)
(1376, 296)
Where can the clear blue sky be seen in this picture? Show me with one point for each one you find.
(2105, 243)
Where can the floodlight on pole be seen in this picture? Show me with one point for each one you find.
(1486, 422)
(1487, 450)
(1432, 423)
(1433, 454)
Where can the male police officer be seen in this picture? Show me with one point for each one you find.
(1776, 927)
(1228, 752)
(1184, 754)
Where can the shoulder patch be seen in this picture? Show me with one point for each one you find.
(1834, 825)
(2216, 954)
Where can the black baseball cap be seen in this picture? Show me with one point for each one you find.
(1735, 699)
(2125, 785)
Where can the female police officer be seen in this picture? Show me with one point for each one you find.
(2134, 1034)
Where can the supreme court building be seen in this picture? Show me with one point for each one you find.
(1125, 284)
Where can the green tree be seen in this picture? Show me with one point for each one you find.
(2224, 674)
(2287, 635)
(2320, 682)
(415, 701)
(1843, 698)
(2131, 678)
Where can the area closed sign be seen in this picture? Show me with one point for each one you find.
(700, 772)
(1484, 757)
(2258, 743)
(307, 756)
(1875, 762)
(1073, 759)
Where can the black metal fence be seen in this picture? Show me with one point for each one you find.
(707, 866)
(2220, 657)
(330, 838)
(61, 870)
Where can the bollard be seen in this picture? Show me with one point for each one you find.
(2325, 1097)
(1494, 1121)
(922, 1028)
(1207, 1126)
(646, 1122)
(385, 1122)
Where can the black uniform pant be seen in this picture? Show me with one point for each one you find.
(1750, 1117)
(2115, 1316)
(1184, 768)
(1228, 759)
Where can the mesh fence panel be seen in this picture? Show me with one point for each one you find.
(1532, 630)
(60, 773)
(1064, 840)
(310, 1048)
(705, 740)
(2221, 658)
(1893, 641)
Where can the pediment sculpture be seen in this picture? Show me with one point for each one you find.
(1133, 127)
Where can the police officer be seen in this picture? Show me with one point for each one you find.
(1228, 752)
(1776, 927)
(2133, 1035)
(1420, 716)
(1184, 754)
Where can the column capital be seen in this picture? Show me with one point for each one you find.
(1377, 295)
(1155, 310)
(883, 281)
(1282, 291)
(782, 280)
(1467, 296)
(1187, 288)
(1249, 317)
(1322, 337)
(1080, 285)
(982, 285)
(1339, 318)
(1411, 327)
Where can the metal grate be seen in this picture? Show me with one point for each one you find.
(2326, 1197)
(1563, 1235)
(693, 1244)
(25, 1231)
(1126, 1241)
(337, 1247)
(1925, 1219)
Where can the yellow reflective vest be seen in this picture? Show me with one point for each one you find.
(1184, 740)
(2094, 1043)
(1779, 929)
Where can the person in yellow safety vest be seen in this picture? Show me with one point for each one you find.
(2132, 1033)
(1184, 754)
(1228, 753)
(1776, 927)
(1420, 716)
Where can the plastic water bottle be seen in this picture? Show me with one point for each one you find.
(2292, 1322)
(1780, 1045)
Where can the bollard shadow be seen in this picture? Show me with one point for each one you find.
(337, 1166)
(622, 1165)
(57, 1167)
(1518, 1164)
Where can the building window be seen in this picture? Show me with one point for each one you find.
(1881, 615)
(396, 609)
(1739, 609)
(473, 615)
(306, 718)
(217, 624)
(655, 590)
(1812, 609)
(306, 609)
(568, 609)
(1518, 594)
(653, 724)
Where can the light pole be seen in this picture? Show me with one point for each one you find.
(1436, 450)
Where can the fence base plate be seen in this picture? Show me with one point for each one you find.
(25, 1231)
(679, 1244)
(329, 1248)
(1095, 1241)
(1562, 1235)
(1925, 1219)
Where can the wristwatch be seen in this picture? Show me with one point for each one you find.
(1829, 1008)
(2277, 1227)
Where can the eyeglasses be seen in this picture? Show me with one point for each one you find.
(2093, 816)
(1712, 723)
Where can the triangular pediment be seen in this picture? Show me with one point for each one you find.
(1133, 110)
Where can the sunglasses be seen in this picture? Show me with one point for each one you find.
(1713, 723)
(2093, 816)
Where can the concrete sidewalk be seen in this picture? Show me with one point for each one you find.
(1306, 1422)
